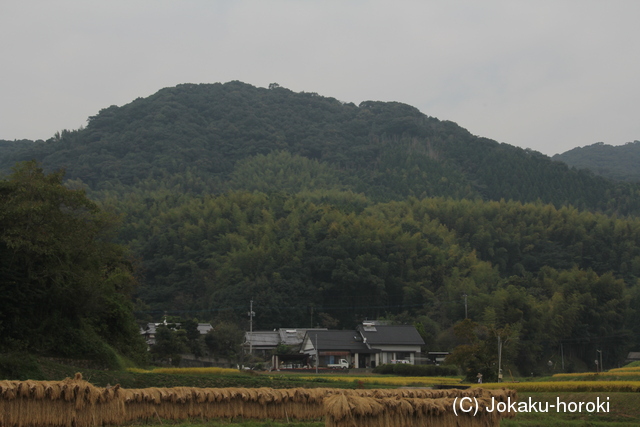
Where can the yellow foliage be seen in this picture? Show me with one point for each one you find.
(186, 371)
(612, 372)
(569, 386)
(626, 369)
(397, 381)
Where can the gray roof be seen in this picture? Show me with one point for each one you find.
(267, 339)
(293, 336)
(633, 355)
(287, 336)
(391, 335)
(203, 328)
(337, 340)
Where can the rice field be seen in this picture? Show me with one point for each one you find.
(186, 371)
(569, 386)
(605, 376)
(626, 369)
(387, 380)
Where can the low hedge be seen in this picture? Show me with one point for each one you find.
(407, 370)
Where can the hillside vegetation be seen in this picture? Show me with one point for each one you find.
(619, 162)
(331, 213)
(199, 138)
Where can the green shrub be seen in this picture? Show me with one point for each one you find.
(20, 367)
(407, 370)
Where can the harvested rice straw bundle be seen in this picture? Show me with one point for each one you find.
(219, 404)
(153, 395)
(394, 412)
(61, 403)
(135, 407)
(440, 412)
(8, 390)
(211, 403)
(52, 390)
(102, 407)
(222, 403)
(348, 409)
(307, 403)
(200, 395)
(338, 410)
(257, 407)
(179, 406)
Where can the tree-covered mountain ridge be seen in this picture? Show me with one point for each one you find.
(210, 138)
(620, 162)
(331, 213)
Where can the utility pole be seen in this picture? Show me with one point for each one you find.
(251, 314)
(465, 305)
(600, 365)
(499, 358)
(317, 354)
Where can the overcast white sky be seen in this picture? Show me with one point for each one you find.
(547, 75)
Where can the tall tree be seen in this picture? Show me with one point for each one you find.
(64, 288)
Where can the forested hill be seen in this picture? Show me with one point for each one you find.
(615, 162)
(210, 138)
(330, 213)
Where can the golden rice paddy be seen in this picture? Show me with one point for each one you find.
(384, 380)
(626, 369)
(569, 386)
(186, 371)
(611, 373)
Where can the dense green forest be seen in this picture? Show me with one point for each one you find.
(196, 137)
(614, 162)
(556, 275)
(64, 288)
(330, 213)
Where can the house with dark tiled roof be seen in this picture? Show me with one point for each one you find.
(369, 345)
(397, 343)
(263, 342)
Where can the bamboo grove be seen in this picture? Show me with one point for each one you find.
(75, 402)
(552, 277)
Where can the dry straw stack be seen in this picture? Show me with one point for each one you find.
(72, 402)
(180, 403)
(75, 402)
(405, 408)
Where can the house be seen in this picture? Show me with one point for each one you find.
(395, 342)
(150, 331)
(369, 345)
(633, 356)
(260, 342)
(264, 342)
(330, 346)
